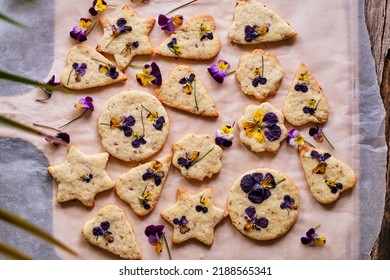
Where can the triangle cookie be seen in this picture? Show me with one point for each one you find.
(305, 101)
(126, 36)
(111, 231)
(141, 186)
(184, 90)
(254, 23)
(87, 68)
(196, 39)
(326, 176)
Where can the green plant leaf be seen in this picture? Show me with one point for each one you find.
(26, 225)
(12, 253)
(20, 79)
(13, 21)
(10, 122)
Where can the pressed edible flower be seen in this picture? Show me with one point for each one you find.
(190, 87)
(252, 32)
(79, 69)
(311, 106)
(258, 186)
(119, 29)
(253, 222)
(333, 185)
(154, 172)
(313, 239)
(138, 140)
(182, 223)
(321, 167)
(302, 83)
(103, 230)
(97, 6)
(225, 136)
(158, 121)
(295, 138)
(259, 75)
(263, 127)
(86, 178)
(202, 205)
(219, 71)
(144, 198)
(169, 24)
(174, 47)
(130, 46)
(156, 236)
(47, 91)
(123, 123)
(288, 203)
(84, 103)
(205, 32)
(319, 135)
(110, 71)
(190, 160)
(150, 75)
(80, 32)
(59, 138)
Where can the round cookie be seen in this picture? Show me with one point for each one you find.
(197, 156)
(263, 204)
(133, 125)
(259, 74)
(262, 128)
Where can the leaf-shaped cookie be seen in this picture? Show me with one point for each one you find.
(141, 186)
(125, 36)
(326, 176)
(305, 101)
(184, 90)
(196, 39)
(111, 231)
(254, 23)
(87, 68)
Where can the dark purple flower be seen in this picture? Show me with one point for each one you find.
(257, 186)
(333, 185)
(80, 70)
(170, 24)
(97, 6)
(159, 123)
(252, 222)
(312, 239)
(121, 27)
(321, 167)
(103, 230)
(202, 205)
(109, 70)
(80, 32)
(86, 178)
(138, 140)
(188, 160)
(288, 203)
(205, 32)
(154, 172)
(259, 80)
(124, 124)
(60, 138)
(182, 223)
(320, 157)
(174, 47)
(301, 87)
(225, 136)
(150, 74)
(316, 133)
(52, 82)
(85, 103)
(155, 235)
(219, 71)
(251, 33)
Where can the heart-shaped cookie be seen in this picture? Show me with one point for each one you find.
(141, 186)
(326, 176)
(184, 90)
(254, 23)
(87, 68)
(305, 101)
(196, 39)
(111, 231)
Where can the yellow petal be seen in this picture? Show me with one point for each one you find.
(258, 116)
(319, 241)
(194, 155)
(260, 137)
(103, 69)
(156, 165)
(84, 24)
(250, 128)
(144, 79)
(227, 130)
(159, 247)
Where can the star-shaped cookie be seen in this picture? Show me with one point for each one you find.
(194, 216)
(125, 36)
(81, 176)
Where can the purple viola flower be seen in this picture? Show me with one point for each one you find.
(219, 71)
(85, 103)
(258, 186)
(188, 160)
(225, 136)
(80, 32)
(103, 230)
(251, 33)
(80, 70)
(121, 27)
(182, 223)
(52, 82)
(150, 74)
(253, 222)
(312, 239)
(174, 47)
(301, 87)
(321, 167)
(333, 185)
(317, 134)
(97, 6)
(288, 202)
(159, 123)
(155, 235)
(154, 172)
(109, 70)
(127, 123)
(320, 157)
(169, 24)
(138, 140)
(59, 138)
(205, 32)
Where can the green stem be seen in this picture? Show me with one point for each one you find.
(12, 253)
(45, 126)
(175, 9)
(327, 140)
(231, 72)
(262, 66)
(13, 21)
(67, 82)
(196, 161)
(196, 101)
(10, 122)
(143, 126)
(168, 249)
(69, 122)
(280, 181)
(93, 26)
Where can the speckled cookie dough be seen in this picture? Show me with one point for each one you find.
(196, 39)
(111, 231)
(133, 125)
(263, 204)
(327, 177)
(197, 156)
(184, 90)
(262, 128)
(259, 74)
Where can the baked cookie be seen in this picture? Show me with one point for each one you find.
(327, 177)
(141, 186)
(126, 36)
(81, 176)
(262, 128)
(263, 204)
(111, 231)
(259, 74)
(87, 68)
(197, 156)
(195, 39)
(184, 90)
(254, 23)
(194, 216)
(305, 101)
(133, 125)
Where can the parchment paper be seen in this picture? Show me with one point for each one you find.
(332, 41)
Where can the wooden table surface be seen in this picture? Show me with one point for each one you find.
(378, 24)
